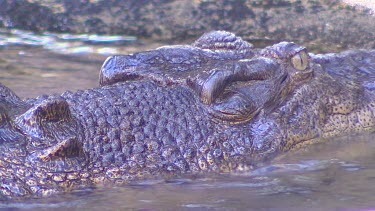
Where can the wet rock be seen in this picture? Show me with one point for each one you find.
(318, 24)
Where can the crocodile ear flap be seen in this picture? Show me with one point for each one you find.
(37, 119)
(67, 148)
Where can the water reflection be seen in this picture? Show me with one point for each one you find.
(65, 43)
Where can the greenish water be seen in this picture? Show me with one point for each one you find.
(336, 175)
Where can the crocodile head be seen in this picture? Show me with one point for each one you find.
(232, 80)
(45, 143)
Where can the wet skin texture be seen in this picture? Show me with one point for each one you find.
(218, 105)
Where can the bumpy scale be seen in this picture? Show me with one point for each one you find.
(218, 105)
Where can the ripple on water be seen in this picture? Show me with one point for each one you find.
(66, 43)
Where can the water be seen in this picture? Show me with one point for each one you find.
(336, 175)
(34, 64)
(65, 43)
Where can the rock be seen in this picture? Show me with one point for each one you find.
(319, 24)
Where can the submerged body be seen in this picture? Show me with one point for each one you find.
(218, 105)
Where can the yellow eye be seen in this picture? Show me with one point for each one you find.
(300, 60)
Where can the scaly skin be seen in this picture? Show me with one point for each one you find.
(218, 105)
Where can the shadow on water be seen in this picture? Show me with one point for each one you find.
(337, 175)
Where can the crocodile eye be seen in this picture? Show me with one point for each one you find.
(300, 60)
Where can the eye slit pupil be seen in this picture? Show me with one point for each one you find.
(300, 60)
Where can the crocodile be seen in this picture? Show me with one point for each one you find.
(218, 105)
